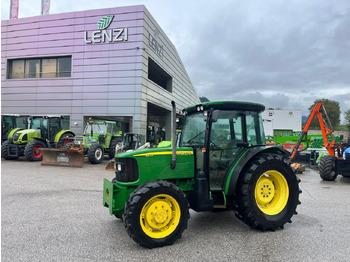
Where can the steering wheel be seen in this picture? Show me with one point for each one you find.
(214, 146)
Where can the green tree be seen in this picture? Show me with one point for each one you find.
(347, 117)
(333, 112)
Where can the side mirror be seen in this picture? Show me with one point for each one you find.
(215, 116)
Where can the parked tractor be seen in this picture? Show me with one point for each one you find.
(43, 132)
(100, 137)
(221, 162)
(9, 124)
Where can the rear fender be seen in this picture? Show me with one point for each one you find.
(63, 133)
(232, 177)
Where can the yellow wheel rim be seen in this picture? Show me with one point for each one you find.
(160, 216)
(271, 192)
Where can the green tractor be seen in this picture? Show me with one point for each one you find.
(220, 162)
(100, 137)
(43, 132)
(9, 124)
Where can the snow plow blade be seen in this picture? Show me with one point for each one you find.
(73, 157)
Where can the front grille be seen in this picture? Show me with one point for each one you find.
(130, 170)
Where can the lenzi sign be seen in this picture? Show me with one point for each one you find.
(106, 35)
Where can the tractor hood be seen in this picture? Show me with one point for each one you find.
(154, 163)
(22, 135)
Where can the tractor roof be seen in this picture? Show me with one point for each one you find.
(46, 116)
(99, 121)
(226, 105)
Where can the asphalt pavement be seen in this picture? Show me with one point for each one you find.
(56, 214)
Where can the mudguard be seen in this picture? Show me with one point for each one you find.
(63, 132)
(232, 177)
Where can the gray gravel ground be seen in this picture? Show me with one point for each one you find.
(56, 214)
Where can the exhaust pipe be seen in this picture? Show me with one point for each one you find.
(173, 163)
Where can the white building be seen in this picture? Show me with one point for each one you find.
(282, 122)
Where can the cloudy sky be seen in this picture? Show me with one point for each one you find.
(283, 54)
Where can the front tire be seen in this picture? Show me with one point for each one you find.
(95, 153)
(326, 168)
(32, 150)
(156, 214)
(267, 193)
(5, 151)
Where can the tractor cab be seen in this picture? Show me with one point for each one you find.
(101, 131)
(10, 122)
(219, 134)
(49, 126)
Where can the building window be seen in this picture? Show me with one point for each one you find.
(40, 67)
(159, 76)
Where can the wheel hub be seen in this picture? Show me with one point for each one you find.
(266, 190)
(271, 192)
(98, 153)
(158, 214)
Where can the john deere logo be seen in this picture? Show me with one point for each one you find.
(104, 22)
(103, 35)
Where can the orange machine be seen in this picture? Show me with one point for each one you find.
(336, 162)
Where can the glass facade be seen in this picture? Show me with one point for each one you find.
(48, 67)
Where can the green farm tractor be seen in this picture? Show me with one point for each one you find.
(10, 123)
(42, 132)
(220, 162)
(100, 137)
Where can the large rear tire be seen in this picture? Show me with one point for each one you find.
(64, 140)
(95, 153)
(326, 168)
(156, 214)
(267, 193)
(32, 150)
(114, 146)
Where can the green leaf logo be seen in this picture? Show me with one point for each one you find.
(104, 22)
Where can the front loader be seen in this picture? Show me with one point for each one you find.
(221, 161)
(43, 132)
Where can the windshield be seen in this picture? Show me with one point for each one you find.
(232, 127)
(99, 129)
(193, 131)
(36, 123)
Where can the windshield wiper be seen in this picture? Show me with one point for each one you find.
(188, 142)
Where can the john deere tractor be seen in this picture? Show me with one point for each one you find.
(100, 137)
(221, 162)
(43, 132)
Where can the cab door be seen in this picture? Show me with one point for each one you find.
(225, 134)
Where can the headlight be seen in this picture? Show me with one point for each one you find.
(126, 170)
(25, 137)
(16, 136)
(119, 167)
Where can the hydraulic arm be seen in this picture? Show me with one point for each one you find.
(326, 129)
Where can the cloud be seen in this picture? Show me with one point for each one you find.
(280, 53)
